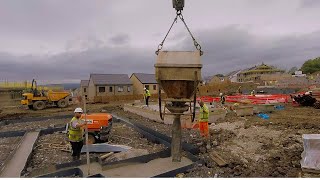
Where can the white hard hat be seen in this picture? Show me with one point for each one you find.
(78, 110)
(221, 94)
(144, 88)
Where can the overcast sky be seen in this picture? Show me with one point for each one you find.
(55, 40)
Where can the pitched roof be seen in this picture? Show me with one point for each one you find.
(84, 83)
(146, 78)
(232, 73)
(104, 79)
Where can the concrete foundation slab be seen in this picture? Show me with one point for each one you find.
(104, 147)
(152, 113)
(135, 170)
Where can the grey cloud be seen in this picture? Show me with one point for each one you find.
(48, 19)
(120, 39)
(75, 65)
(231, 48)
(310, 3)
(275, 32)
(226, 49)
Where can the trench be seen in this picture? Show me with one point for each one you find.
(152, 165)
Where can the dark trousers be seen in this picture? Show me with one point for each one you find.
(76, 148)
(147, 100)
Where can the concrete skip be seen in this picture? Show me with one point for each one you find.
(17, 163)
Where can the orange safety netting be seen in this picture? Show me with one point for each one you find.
(249, 99)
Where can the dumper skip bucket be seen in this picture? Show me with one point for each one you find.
(178, 72)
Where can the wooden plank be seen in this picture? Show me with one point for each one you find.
(217, 158)
(106, 155)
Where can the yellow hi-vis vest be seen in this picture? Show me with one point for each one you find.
(75, 134)
(204, 113)
(147, 93)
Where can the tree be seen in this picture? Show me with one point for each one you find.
(311, 66)
(219, 75)
(292, 70)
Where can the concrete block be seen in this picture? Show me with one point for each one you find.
(217, 114)
(244, 110)
(263, 108)
(311, 154)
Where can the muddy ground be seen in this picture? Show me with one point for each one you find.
(252, 147)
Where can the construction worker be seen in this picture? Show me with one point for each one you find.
(147, 95)
(239, 90)
(203, 122)
(252, 93)
(222, 98)
(75, 132)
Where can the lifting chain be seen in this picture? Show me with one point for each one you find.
(196, 44)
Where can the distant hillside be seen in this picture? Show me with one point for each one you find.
(68, 86)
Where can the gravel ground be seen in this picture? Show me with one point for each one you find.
(7, 145)
(252, 147)
(189, 135)
(44, 155)
(35, 125)
(125, 135)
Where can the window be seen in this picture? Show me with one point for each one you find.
(146, 86)
(129, 88)
(84, 89)
(154, 87)
(86, 96)
(120, 88)
(102, 89)
(110, 89)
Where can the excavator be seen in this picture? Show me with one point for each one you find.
(38, 100)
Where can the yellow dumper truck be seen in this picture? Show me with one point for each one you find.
(39, 100)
